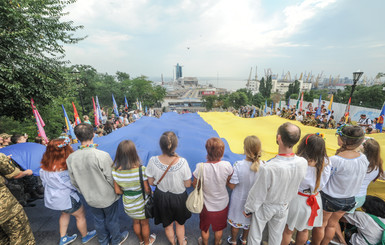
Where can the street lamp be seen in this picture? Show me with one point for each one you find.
(76, 71)
(356, 76)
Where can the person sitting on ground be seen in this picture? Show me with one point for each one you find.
(90, 172)
(241, 182)
(129, 175)
(369, 230)
(14, 224)
(304, 210)
(172, 175)
(59, 193)
(275, 186)
(216, 174)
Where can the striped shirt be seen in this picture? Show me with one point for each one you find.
(129, 181)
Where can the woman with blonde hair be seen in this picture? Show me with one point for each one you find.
(241, 182)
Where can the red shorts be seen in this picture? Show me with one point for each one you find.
(217, 220)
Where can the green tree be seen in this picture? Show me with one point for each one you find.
(237, 99)
(209, 101)
(294, 88)
(32, 34)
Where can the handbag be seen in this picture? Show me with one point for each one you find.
(149, 202)
(194, 201)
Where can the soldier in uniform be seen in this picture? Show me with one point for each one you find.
(14, 224)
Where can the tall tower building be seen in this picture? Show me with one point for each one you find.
(178, 71)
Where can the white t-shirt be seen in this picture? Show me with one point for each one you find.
(366, 227)
(308, 183)
(300, 118)
(369, 177)
(173, 181)
(347, 176)
(215, 177)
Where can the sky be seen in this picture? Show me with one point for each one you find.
(225, 38)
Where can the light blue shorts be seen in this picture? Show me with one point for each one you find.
(359, 202)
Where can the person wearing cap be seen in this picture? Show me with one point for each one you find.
(14, 224)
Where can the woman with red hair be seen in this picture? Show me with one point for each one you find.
(59, 193)
(216, 174)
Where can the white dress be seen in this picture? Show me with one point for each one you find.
(243, 178)
(299, 211)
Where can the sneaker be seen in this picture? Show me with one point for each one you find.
(124, 237)
(89, 236)
(67, 239)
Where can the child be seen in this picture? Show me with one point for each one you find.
(349, 170)
(241, 182)
(305, 210)
(127, 182)
(59, 193)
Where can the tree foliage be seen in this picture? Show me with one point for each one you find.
(294, 88)
(32, 35)
(265, 87)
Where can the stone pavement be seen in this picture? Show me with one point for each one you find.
(45, 226)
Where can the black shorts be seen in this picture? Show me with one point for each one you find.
(170, 207)
(75, 206)
(332, 204)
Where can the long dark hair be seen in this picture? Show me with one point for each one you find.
(372, 151)
(375, 206)
(312, 147)
(351, 136)
(126, 156)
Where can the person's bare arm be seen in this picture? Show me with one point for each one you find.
(117, 189)
(151, 180)
(23, 174)
(187, 183)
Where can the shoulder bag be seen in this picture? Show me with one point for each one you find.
(194, 201)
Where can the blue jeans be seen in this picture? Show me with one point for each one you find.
(107, 224)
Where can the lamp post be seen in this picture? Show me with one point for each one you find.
(356, 76)
(76, 71)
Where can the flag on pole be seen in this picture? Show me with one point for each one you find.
(330, 107)
(137, 104)
(145, 109)
(68, 125)
(76, 115)
(301, 102)
(98, 108)
(380, 120)
(347, 110)
(39, 121)
(272, 106)
(318, 112)
(140, 106)
(288, 102)
(115, 106)
(279, 103)
(96, 116)
(297, 105)
(125, 103)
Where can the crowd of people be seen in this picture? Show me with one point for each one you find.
(309, 116)
(305, 190)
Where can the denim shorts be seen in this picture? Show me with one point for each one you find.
(332, 204)
(75, 206)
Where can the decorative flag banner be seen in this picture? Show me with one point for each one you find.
(140, 106)
(96, 116)
(297, 105)
(380, 120)
(301, 102)
(347, 110)
(76, 115)
(253, 114)
(69, 126)
(288, 103)
(137, 104)
(318, 112)
(145, 109)
(115, 106)
(330, 107)
(39, 122)
(125, 103)
(279, 103)
(98, 108)
(272, 106)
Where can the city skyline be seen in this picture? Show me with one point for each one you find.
(227, 38)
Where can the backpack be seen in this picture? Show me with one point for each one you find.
(382, 225)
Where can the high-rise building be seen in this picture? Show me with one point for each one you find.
(178, 71)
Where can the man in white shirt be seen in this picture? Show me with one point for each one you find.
(276, 184)
(364, 122)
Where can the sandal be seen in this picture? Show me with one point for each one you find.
(153, 236)
(243, 242)
(229, 241)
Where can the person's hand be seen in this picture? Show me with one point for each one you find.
(28, 172)
(9, 156)
(247, 215)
